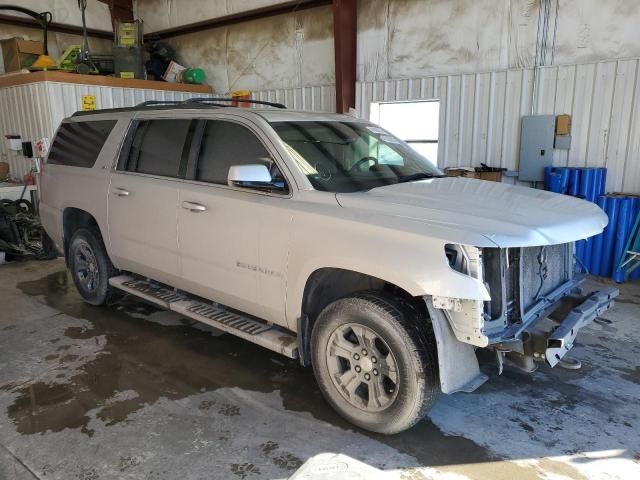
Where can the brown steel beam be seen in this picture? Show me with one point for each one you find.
(54, 27)
(264, 12)
(345, 16)
(120, 10)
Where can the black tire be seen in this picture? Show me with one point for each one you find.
(401, 334)
(91, 267)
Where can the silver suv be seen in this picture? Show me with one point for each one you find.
(324, 238)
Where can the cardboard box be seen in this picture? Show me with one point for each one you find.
(563, 124)
(174, 71)
(463, 172)
(19, 54)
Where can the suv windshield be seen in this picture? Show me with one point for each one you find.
(350, 157)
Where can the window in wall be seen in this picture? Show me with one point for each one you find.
(417, 123)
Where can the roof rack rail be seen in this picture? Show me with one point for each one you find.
(150, 103)
(208, 100)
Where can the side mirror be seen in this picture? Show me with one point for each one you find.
(253, 176)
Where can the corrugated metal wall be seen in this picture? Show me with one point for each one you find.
(317, 98)
(480, 114)
(34, 110)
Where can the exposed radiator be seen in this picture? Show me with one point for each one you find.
(518, 277)
(543, 269)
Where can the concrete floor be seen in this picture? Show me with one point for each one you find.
(132, 392)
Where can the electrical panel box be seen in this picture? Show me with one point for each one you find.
(536, 146)
(563, 142)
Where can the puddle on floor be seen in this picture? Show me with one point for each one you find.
(151, 361)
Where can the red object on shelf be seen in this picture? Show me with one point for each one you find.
(238, 97)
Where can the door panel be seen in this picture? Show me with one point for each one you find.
(143, 225)
(235, 251)
(216, 247)
(143, 198)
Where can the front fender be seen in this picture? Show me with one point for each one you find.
(415, 263)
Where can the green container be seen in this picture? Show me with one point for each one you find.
(194, 76)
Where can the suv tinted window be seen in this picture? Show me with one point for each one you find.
(158, 147)
(225, 144)
(78, 144)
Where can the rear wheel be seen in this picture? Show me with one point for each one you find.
(374, 357)
(90, 267)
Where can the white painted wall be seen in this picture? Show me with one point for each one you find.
(162, 14)
(67, 11)
(404, 38)
(279, 52)
(413, 38)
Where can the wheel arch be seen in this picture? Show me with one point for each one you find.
(457, 363)
(72, 219)
(328, 284)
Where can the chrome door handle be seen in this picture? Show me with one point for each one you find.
(121, 192)
(194, 207)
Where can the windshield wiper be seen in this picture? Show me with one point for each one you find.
(418, 176)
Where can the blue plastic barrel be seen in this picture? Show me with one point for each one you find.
(602, 181)
(587, 183)
(593, 185)
(596, 252)
(622, 236)
(580, 254)
(555, 182)
(608, 236)
(574, 182)
(547, 178)
(564, 173)
(597, 180)
(588, 251)
(635, 275)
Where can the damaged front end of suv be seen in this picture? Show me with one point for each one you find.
(535, 304)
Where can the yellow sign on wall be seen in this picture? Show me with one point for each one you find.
(88, 102)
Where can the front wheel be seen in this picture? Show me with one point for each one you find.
(374, 358)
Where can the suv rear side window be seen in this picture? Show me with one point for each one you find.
(78, 144)
(225, 144)
(159, 147)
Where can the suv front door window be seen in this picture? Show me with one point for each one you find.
(227, 144)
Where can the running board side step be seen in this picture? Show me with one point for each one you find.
(261, 333)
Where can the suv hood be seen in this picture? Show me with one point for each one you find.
(506, 215)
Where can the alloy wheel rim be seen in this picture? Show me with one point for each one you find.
(362, 367)
(86, 267)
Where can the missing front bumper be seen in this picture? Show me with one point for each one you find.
(561, 338)
(552, 334)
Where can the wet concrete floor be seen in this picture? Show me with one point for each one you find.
(130, 391)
